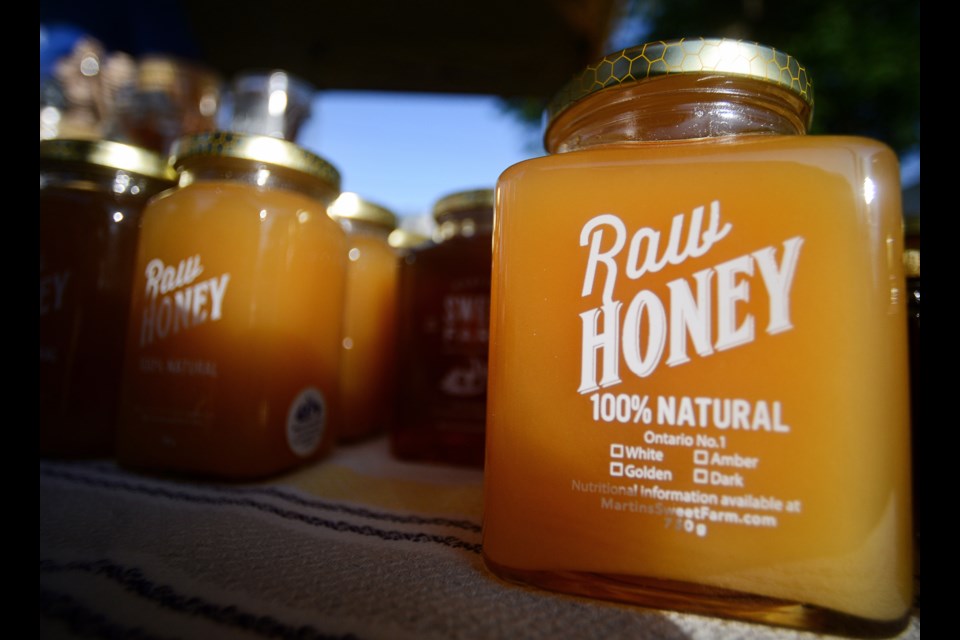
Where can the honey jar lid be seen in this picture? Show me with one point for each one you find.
(464, 201)
(406, 239)
(687, 55)
(274, 151)
(352, 207)
(109, 154)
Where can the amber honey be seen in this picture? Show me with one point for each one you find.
(698, 392)
(233, 349)
(367, 367)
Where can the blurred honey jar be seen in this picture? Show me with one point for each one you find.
(158, 99)
(443, 337)
(234, 341)
(370, 315)
(91, 197)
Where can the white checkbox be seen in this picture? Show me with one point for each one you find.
(701, 456)
(700, 476)
(616, 450)
(616, 469)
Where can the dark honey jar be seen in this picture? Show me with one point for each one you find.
(91, 197)
(443, 336)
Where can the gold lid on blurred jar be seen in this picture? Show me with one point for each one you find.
(464, 213)
(714, 56)
(263, 149)
(463, 201)
(107, 154)
(350, 206)
(406, 239)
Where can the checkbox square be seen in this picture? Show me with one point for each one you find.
(616, 469)
(701, 456)
(616, 450)
(700, 476)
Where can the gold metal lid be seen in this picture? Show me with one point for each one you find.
(105, 153)
(405, 239)
(686, 55)
(352, 207)
(464, 201)
(222, 144)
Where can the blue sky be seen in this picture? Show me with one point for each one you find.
(405, 150)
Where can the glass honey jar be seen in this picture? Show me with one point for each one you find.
(698, 392)
(91, 197)
(233, 348)
(443, 335)
(367, 366)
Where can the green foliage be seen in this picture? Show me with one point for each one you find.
(863, 55)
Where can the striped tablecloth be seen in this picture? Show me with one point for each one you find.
(357, 546)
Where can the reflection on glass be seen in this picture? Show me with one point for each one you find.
(869, 190)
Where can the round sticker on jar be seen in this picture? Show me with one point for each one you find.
(306, 421)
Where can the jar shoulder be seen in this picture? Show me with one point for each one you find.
(814, 150)
(211, 197)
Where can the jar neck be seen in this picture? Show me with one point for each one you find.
(256, 174)
(466, 224)
(678, 107)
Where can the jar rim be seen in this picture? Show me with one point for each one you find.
(350, 206)
(463, 201)
(717, 56)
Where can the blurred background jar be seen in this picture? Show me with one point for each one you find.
(158, 99)
(74, 103)
(367, 369)
(87, 92)
(443, 335)
(91, 197)
(233, 351)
